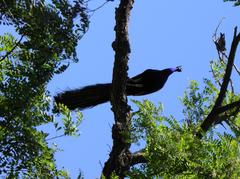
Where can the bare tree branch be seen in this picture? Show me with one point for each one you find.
(221, 42)
(120, 157)
(215, 32)
(210, 119)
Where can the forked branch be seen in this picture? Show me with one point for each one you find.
(217, 108)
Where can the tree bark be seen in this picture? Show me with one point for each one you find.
(120, 157)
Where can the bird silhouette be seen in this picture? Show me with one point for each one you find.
(149, 81)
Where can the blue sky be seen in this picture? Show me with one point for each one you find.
(162, 34)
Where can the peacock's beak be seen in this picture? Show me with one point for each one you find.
(179, 68)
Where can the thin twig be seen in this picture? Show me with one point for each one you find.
(55, 137)
(215, 33)
(231, 85)
(14, 47)
(235, 67)
(12, 16)
(214, 75)
(99, 7)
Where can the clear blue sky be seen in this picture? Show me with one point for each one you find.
(162, 34)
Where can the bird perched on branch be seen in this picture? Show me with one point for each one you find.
(89, 96)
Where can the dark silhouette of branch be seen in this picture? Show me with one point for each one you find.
(120, 157)
(227, 107)
(212, 116)
(230, 123)
(228, 112)
(237, 70)
(14, 47)
(228, 71)
(138, 157)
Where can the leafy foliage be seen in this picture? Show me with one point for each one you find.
(173, 151)
(46, 46)
(236, 2)
(172, 148)
(48, 35)
(70, 126)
